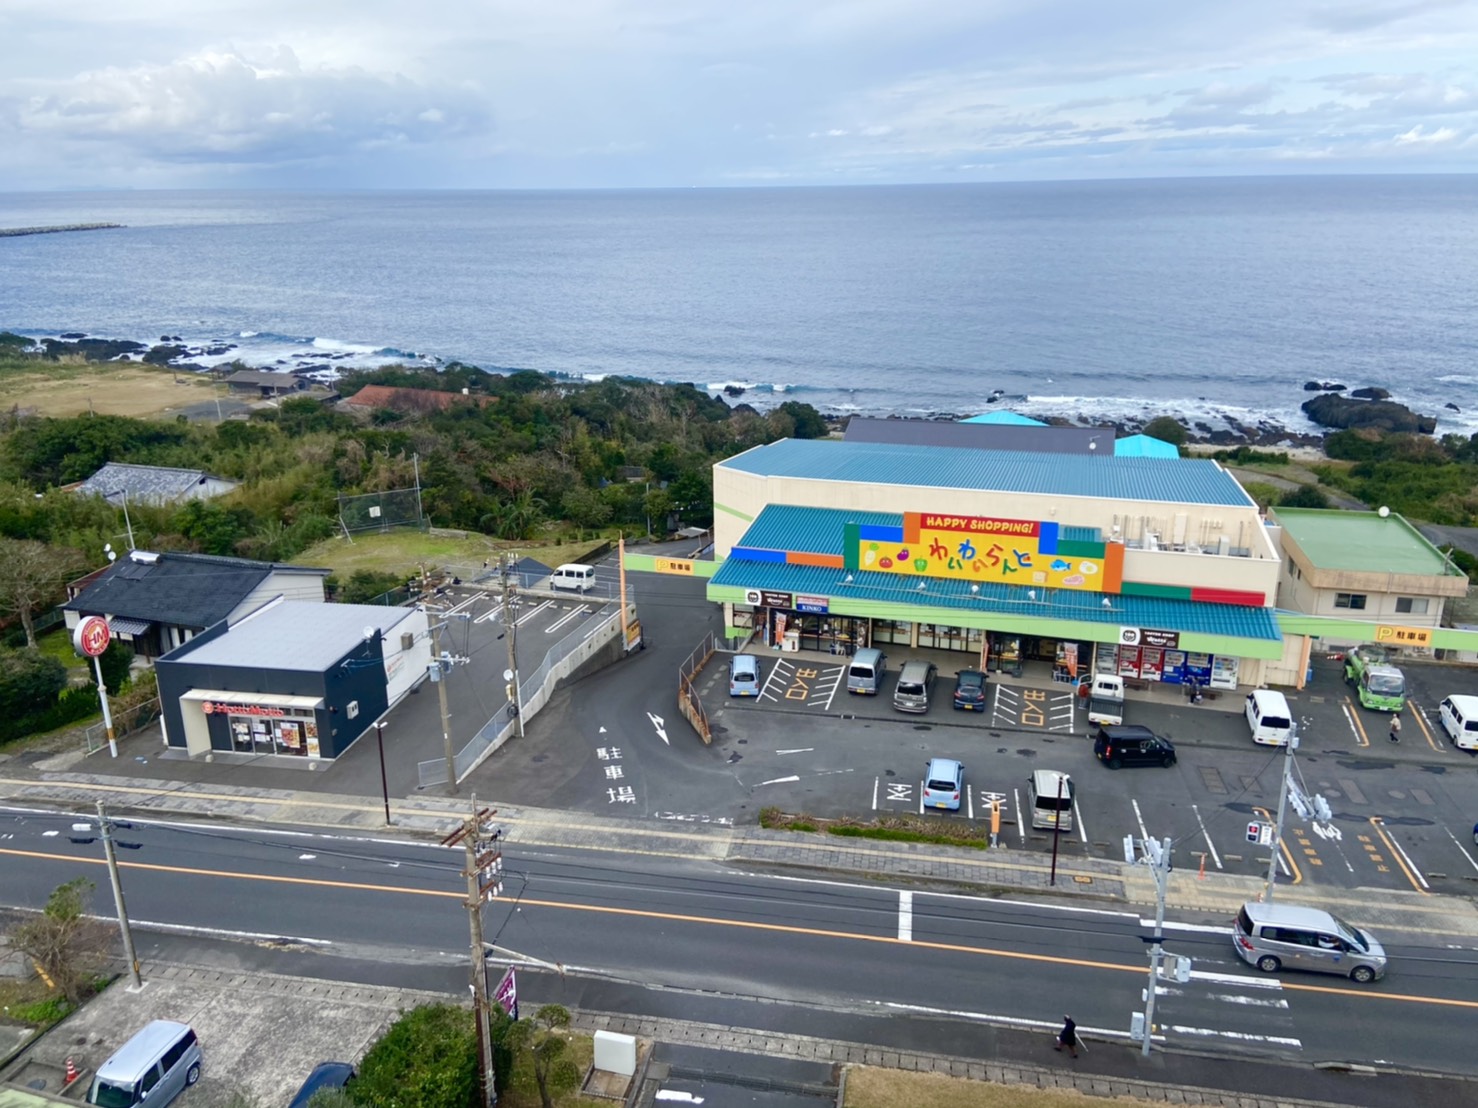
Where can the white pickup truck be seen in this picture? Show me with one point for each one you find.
(1106, 698)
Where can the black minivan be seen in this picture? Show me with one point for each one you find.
(1128, 744)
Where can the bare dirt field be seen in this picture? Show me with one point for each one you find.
(63, 389)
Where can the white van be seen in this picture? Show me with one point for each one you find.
(156, 1065)
(573, 576)
(1269, 717)
(1049, 795)
(1460, 721)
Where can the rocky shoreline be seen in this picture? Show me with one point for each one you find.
(1336, 407)
(12, 232)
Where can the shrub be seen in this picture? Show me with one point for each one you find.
(29, 682)
(427, 1059)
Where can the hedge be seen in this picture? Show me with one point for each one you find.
(73, 704)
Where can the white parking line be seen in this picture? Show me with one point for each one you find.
(1078, 819)
(574, 613)
(1021, 816)
(1461, 847)
(969, 804)
(905, 917)
(1139, 818)
(781, 780)
(875, 783)
(491, 614)
(531, 613)
(921, 798)
(1211, 846)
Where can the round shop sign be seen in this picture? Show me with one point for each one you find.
(92, 636)
(752, 596)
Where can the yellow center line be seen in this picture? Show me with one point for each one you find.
(1353, 711)
(751, 925)
(1398, 855)
(1287, 854)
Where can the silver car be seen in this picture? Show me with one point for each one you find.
(1277, 936)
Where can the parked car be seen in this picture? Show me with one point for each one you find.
(970, 690)
(944, 782)
(325, 1075)
(744, 675)
(915, 686)
(156, 1065)
(1128, 744)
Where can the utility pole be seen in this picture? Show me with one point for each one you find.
(106, 829)
(1158, 857)
(1307, 807)
(438, 671)
(510, 630)
(484, 874)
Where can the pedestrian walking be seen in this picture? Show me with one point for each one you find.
(1068, 1037)
(1395, 727)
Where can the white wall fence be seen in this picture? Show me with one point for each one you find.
(534, 691)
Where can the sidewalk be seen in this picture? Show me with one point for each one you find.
(1212, 896)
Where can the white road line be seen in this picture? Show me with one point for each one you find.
(1078, 820)
(1009, 1021)
(1411, 866)
(1461, 847)
(491, 614)
(875, 783)
(921, 798)
(1248, 1001)
(781, 780)
(531, 613)
(775, 672)
(1139, 819)
(1350, 719)
(797, 750)
(969, 804)
(1239, 1036)
(1237, 979)
(905, 917)
(1022, 816)
(1211, 846)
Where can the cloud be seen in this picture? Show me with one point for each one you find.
(1418, 135)
(225, 107)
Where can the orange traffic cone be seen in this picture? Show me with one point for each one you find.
(72, 1071)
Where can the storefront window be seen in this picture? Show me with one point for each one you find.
(892, 631)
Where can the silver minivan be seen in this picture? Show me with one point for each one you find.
(915, 686)
(155, 1065)
(1275, 936)
(865, 672)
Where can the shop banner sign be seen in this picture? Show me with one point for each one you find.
(1404, 636)
(764, 598)
(820, 604)
(673, 565)
(1166, 640)
(977, 548)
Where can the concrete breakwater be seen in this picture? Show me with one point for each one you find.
(6, 232)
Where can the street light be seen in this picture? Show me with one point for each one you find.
(384, 786)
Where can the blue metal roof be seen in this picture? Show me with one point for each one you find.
(812, 530)
(1009, 419)
(1144, 446)
(1178, 481)
(995, 598)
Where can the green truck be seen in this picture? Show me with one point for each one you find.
(1380, 685)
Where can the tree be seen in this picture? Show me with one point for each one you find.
(31, 573)
(66, 944)
(427, 1059)
(29, 682)
(808, 421)
(542, 1040)
(116, 662)
(1166, 429)
(585, 507)
(1305, 496)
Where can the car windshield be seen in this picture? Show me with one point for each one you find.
(1387, 684)
(107, 1095)
(1352, 935)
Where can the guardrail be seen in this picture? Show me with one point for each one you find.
(534, 690)
(688, 701)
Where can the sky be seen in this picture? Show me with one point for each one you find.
(673, 93)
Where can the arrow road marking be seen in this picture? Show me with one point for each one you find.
(657, 723)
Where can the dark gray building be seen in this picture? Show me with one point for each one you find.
(294, 678)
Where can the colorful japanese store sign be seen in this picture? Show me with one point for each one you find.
(977, 548)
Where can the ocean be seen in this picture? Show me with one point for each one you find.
(1211, 299)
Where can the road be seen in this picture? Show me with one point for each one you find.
(752, 944)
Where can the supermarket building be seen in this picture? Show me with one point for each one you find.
(1159, 569)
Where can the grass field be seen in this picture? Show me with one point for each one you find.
(405, 552)
(869, 1087)
(113, 388)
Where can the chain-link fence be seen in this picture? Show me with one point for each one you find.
(125, 722)
(534, 690)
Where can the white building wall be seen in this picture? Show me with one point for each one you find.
(284, 584)
(407, 649)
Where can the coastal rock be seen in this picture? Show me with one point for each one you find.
(1323, 386)
(94, 350)
(1382, 415)
(1452, 407)
(163, 355)
(733, 390)
(74, 334)
(1371, 392)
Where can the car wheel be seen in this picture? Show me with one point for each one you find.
(192, 1074)
(1169, 761)
(1268, 964)
(1114, 763)
(1362, 975)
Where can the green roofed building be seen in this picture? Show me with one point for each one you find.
(1354, 577)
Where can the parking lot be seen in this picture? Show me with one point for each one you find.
(1403, 815)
